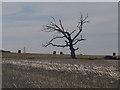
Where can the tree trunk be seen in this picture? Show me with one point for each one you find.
(72, 52)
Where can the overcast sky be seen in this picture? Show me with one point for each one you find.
(22, 24)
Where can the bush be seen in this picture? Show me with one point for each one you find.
(54, 52)
(91, 58)
(110, 57)
(61, 53)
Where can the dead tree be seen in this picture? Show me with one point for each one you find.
(70, 38)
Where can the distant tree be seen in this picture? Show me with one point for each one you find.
(19, 51)
(64, 34)
(114, 54)
(54, 52)
(61, 53)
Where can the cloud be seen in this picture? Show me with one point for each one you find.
(10, 8)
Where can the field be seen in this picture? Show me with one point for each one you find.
(58, 71)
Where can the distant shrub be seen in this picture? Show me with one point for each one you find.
(5, 51)
(110, 57)
(54, 52)
(19, 51)
(114, 54)
(91, 58)
(61, 53)
(118, 58)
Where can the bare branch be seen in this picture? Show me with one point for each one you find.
(61, 25)
(86, 22)
(76, 48)
(50, 42)
(54, 27)
(72, 32)
(80, 25)
(45, 45)
(49, 28)
(80, 29)
(81, 17)
(58, 45)
(85, 17)
(56, 38)
(67, 43)
(78, 40)
(53, 19)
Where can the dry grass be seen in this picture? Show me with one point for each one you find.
(47, 56)
(27, 70)
(45, 73)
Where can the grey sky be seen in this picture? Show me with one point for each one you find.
(0, 25)
(22, 23)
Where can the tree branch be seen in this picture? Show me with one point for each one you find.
(54, 27)
(85, 18)
(59, 45)
(67, 43)
(49, 28)
(54, 45)
(80, 29)
(76, 48)
(80, 25)
(50, 42)
(61, 25)
(53, 19)
(78, 40)
(72, 32)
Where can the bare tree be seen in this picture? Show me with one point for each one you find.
(67, 36)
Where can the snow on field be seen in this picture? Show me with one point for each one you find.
(110, 70)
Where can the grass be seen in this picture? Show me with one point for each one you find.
(15, 76)
(49, 56)
(40, 78)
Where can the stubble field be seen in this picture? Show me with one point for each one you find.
(40, 71)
